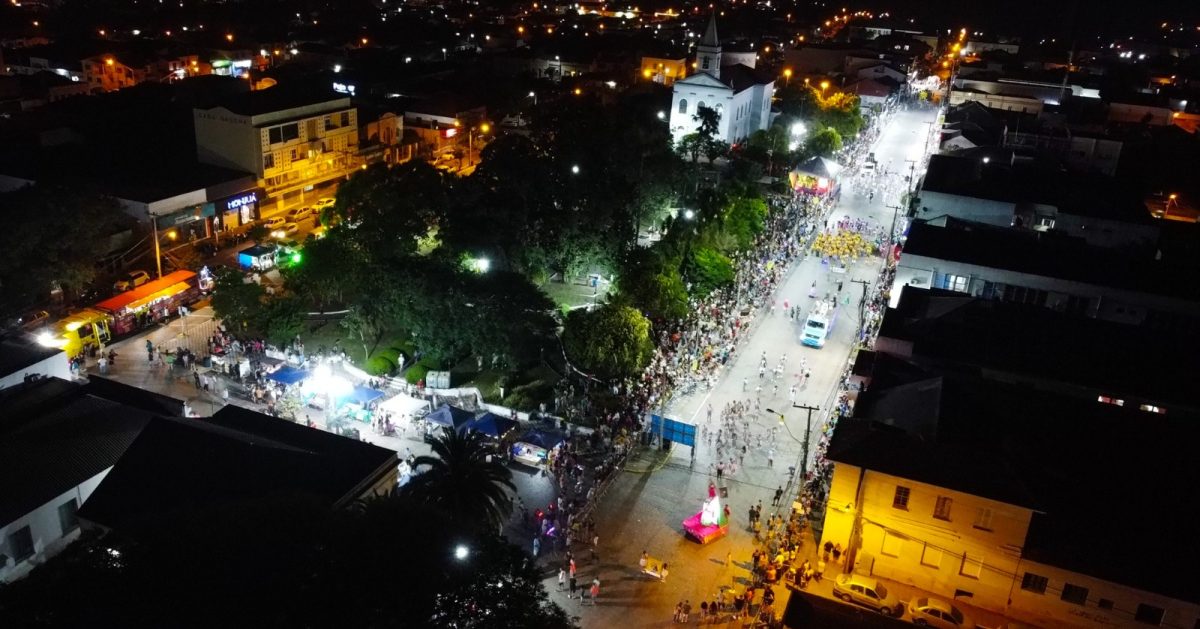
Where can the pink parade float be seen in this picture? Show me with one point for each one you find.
(711, 523)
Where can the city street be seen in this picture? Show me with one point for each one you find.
(644, 509)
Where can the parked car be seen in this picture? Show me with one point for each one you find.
(285, 230)
(275, 222)
(31, 320)
(133, 279)
(868, 592)
(934, 612)
(295, 215)
(323, 203)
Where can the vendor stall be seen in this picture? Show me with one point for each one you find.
(535, 446)
(815, 176)
(150, 302)
(447, 416)
(287, 375)
(257, 258)
(405, 406)
(493, 425)
(355, 403)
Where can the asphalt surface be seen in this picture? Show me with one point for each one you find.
(644, 508)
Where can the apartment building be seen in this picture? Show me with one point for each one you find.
(1034, 505)
(291, 139)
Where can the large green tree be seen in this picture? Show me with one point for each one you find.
(824, 142)
(650, 281)
(53, 236)
(237, 302)
(612, 341)
(708, 270)
(391, 208)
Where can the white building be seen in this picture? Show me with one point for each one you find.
(740, 95)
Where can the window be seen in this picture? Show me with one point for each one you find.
(283, 133)
(269, 160)
(1035, 583)
(345, 119)
(900, 500)
(1149, 614)
(956, 282)
(1150, 408)
(683, 105)
(1074, 594)
(1105, 603)
(892, 544)
(941, 510)
(20, 544)
(931, 556)
(972, 566)
(67, 517)
(705, 62)
(983, 519)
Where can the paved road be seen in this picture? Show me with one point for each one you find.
(643, 511)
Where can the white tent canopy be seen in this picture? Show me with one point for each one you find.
(404, 405)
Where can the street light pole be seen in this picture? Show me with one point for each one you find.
(807, 437)
(157, 251)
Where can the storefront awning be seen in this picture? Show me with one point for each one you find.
(169, 286)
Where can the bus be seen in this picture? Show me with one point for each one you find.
(819, 322)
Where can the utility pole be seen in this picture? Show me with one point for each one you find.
(807, 437)
(891, 237)
(154, 235)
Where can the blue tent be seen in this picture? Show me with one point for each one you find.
(546, 439)
(493, 425)
(451, 416)
(289, 375)
(362, 395)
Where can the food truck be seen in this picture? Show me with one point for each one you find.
(78, 332)
(150, 302)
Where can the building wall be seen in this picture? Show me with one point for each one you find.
(101, 74)
(55, 366)
(46, 528)
(1101, 302)
(1121, 602)
(1142, 114)
(934, 204)
(996, 101)
(686, 101)
(977, 550)
(226, 139)
(664, 71)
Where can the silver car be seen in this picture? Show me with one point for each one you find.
(868, 592)
(933, 612)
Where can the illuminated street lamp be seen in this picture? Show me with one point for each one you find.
(575, 169)
(461, 552)
(787, 76)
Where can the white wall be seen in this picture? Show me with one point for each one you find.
(44, 524)
(987, 211)
(55, 366)
(229, 140)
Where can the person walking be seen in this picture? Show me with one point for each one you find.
(646, 558)
(662, 576)
(562, 579)
(778, 495)
(595, 545)
(537, 547)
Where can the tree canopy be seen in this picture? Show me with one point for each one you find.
(612, 341)
(59, 238)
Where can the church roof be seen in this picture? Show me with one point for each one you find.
(710, 35)
(742, 77)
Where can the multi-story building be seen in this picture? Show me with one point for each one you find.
(663, 70)
(291, 139)
(108, 72)
(1037, 506)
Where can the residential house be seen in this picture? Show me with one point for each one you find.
(994, 493)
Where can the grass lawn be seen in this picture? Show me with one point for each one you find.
(571, 296)
(523, 389)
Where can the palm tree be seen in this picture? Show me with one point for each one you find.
(463, 482)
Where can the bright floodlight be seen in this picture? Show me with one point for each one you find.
(575, 169)
(798, 129)
(688, 214)
(987, 159)
(482, 265)
(461, 552)
(662, 114)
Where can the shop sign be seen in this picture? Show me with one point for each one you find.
(344, 88)
(239, 201)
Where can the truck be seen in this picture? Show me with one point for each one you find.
(818, 323)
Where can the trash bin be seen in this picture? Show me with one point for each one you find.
(207, 362)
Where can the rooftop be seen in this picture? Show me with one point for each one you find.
(1048, 254)
(1050, 453)
(279, 98)
(179, 465)
(54, 435)
(19, 351)
(1052, 350)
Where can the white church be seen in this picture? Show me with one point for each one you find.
(739, 94)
